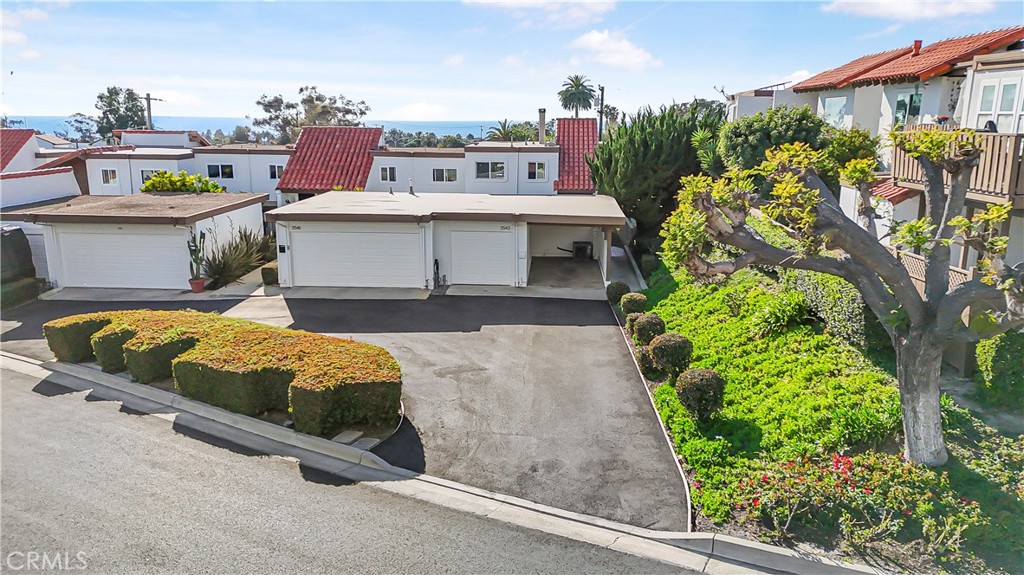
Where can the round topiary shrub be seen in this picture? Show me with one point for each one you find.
(630, 322)
(671, 353)
(700, 391)
(646, 362)
(615, 291)
(647, 327)
(633, 303)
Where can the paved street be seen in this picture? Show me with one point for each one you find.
(135, 497)
(535, 398)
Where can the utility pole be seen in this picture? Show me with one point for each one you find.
(149, 110)
(481, 132)
(600, 115)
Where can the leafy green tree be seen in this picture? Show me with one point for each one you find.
(6, 122)
(119, 109)
(452, 141)
(577, 94)
(920, 325)
(641, 161)
(505, 131)
(242, 134)
(79, 128)
(286, 119)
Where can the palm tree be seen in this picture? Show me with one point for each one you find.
(577, 94)
(503, 132)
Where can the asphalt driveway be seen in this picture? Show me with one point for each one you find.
(536, 398)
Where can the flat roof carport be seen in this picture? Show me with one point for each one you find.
(597, 211)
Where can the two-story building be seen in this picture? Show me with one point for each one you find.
(491, 213)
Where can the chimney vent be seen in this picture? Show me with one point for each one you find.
(542, 134)
(917, 47)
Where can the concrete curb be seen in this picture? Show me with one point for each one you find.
(704, 552)
(664, 431)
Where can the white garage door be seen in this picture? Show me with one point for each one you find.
(482, 258)
(107, 257)
(370, 258)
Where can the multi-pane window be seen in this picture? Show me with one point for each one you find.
(276, 171)
(109, 176)
(835, 110)
(999, 105)
(908, 109)
(388, 174)
(490, 170)
(445, 174)
(223, 171)
(536, 171)
(147, 175)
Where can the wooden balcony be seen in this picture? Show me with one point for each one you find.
(999, 178)
(916, 264)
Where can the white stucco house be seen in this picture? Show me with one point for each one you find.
(137, 240)
(122, 169)
(492, 213)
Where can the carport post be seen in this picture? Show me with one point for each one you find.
(606, 253)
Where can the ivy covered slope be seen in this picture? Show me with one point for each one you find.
(326, 383)
(806, 442)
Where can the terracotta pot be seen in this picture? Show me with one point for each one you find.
(198, 285)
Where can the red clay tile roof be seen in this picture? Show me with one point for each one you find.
(939, 58)
(888, 190)
(841, 76)
(329, 156)
(11, 142)
(61, 160)
(576, 138)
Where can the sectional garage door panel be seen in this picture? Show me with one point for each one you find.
(358, 259)
(122, 259)
(482, 258)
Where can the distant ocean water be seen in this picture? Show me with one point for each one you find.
(49, 124)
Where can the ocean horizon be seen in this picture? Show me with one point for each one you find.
(50, 124)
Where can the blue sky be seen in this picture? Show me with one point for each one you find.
(453, 60)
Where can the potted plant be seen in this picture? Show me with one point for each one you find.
(195, 252)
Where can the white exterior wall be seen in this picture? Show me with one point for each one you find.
(220, 229)
(20, 191)
(546, 239)
(156, 140)
(847, 110)
(25, 159)
(887, 213)
(420, 169)
(517, 258)
(251, 171)
(848, 201)
(129, 174)
(1015, 251)
(867, 108)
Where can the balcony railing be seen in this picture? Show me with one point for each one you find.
(999, 178)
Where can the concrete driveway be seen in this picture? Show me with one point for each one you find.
(536, 398)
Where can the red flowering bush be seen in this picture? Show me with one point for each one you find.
(867, 497)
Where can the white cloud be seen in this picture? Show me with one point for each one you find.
(511, 61)
(551, 14)
(26, 54)
(422, 111)
(12, 37)
(453, 61)
(910, 10)
(612, 49)
(887, 31)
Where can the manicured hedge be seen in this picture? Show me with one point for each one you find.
(328, 383)
(615, 291)
(269, 273)
(633, 303)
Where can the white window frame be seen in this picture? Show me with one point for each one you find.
(541, 167)
(448, 175)
(911, 93)
(388, 174)
(220, 171)
(276, 171)
(840, 120)
(1015, 111)
(491, 171)
(109, 176)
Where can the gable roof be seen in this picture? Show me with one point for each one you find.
(887, 189)
(11, 142)
(841, 76)
(35, 172)
(576, 138)
(329, 156)
(61, 160)
(939, 58)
